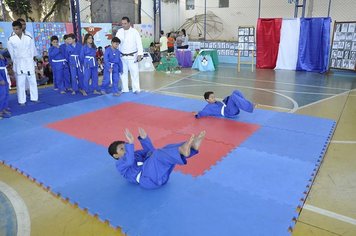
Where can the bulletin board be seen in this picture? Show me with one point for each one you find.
(343, 47)
(246, 40)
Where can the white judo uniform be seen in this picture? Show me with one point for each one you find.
(130, 48)
(22, 51)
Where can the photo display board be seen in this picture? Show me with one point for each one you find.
(343, 47)
(246, 40)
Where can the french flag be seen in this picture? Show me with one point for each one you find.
(293, 44)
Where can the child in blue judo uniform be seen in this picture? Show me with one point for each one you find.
(150, 168)
(66, 72)
(4, 90)
(90, 65)
(73, 50)
(229, 107)
(112, 67)
(57, 60)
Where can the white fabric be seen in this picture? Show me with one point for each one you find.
(288, 46)
(163, 42)
(21, 80)
(7, 75)
(138, 177)
(129, 64)
(146, 63)
(22, 51)
(130, 41)
(223, 109)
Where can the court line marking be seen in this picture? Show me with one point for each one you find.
(343, 142)
(295, 104)
(330, 214)
(174, 82)
(277, 82)
(200, 97)
(325, 99)
(20, 208)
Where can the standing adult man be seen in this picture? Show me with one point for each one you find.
(132, 52)
(22, 50)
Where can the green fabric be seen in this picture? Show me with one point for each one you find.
(213, 54)
(168, 63)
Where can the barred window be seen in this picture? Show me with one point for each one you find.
(189, 4)
(223, 3)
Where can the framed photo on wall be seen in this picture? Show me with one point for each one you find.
(343, 46)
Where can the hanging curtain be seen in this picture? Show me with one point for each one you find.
(288, 47)
(268, 36)
(314, 43)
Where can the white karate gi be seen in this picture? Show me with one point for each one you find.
(22, 51)
(130, 44)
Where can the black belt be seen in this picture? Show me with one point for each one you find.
(128, 54)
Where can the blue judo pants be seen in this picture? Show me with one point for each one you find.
(235, 102)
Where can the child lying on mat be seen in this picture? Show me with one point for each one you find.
(229, 107)
(150, 167)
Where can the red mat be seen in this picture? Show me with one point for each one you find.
(164, 126)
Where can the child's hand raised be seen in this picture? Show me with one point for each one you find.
(129, 137)
(142, 133)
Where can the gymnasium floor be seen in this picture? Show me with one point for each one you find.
(330, 205)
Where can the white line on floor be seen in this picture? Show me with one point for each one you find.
(174, 82)
(343, 142)
(278, 82)
(322, 100)
(329, 214)
(21, 211)
(295, 104)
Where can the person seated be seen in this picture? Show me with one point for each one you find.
(154, 52)
(150, 167)
(230, 107)
(49, 73)
(99, 53)
(40, 76)
(45, 61)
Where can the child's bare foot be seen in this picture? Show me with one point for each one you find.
(197, 141)
(185, 148)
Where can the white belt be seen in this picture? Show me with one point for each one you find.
(61, 60)
(77, 61)
(139, 163)
(7, 76)
(138, 177)
(222, 109)
(91, 58)
(111, 65)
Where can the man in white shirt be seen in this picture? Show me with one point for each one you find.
(132, 51)
(22, 49)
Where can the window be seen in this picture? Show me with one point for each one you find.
(189, 5)
(223, 3)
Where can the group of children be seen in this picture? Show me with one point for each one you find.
(150, 168)
(75, 66)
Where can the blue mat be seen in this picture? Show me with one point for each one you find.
(47, 98)
(254, 190)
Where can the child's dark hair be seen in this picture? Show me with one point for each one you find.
(71, 35)
(65, 36)
(113, 147)
(116, 40)
(86, 37)
(207, 94)
(45, 57)
(54, 37)
(17, 23)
